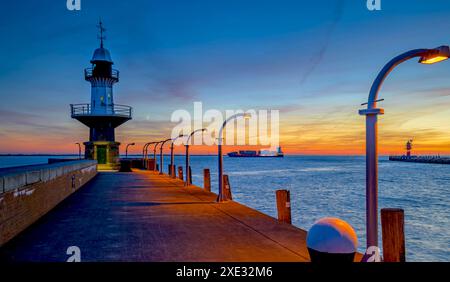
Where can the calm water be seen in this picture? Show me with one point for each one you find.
(335, 186)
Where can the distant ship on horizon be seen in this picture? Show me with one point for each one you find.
(257, 154)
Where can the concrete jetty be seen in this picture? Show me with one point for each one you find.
(421, 159)
(143, 216)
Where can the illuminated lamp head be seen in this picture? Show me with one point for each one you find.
(435, 55)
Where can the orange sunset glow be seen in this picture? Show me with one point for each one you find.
(317, 84)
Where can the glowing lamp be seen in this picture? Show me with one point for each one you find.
(435, 55)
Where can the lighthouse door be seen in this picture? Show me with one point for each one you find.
(101, 154)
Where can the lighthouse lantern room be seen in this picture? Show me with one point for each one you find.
(102, 115)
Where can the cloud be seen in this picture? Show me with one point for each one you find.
(145, 130)
(15, 121)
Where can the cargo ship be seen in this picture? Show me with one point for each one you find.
(257, 154)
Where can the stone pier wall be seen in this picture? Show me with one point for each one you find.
(27, 193)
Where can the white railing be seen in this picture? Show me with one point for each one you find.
(115, 110)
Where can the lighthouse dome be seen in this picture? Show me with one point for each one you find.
(101, 55)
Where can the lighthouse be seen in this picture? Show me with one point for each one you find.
(408, 148)
(102, 115)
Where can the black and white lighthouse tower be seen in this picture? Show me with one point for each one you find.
(102, 115)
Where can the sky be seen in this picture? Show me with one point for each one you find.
(314, 61)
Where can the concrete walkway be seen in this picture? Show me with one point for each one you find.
(142, 216)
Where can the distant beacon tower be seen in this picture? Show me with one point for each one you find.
(102, 116)
(408, 148)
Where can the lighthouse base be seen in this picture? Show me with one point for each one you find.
(105, 152)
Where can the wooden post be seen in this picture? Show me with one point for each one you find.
(393, 232)
(284, 206)
(150, 164)
(227, 187)
(174, 172)
(180, 172)
(206, 180)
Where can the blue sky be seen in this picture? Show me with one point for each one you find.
(313, 60)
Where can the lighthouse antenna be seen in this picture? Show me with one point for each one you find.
(101, 35)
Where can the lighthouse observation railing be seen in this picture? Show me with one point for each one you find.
(112, 110)
(89, 73)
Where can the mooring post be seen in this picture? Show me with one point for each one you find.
(180, 173)
(206, 180)
(284, 206)
(227, 187)
(174, 172)
(393, 232)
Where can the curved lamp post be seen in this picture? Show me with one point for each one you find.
(126, 149)
(222, 197)
(188, 174)
(144, 153)
(79, 150)
(171, 153)
(161, 161)
(154, 154)
(427, 56)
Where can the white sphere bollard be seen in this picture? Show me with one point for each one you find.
(332, 240)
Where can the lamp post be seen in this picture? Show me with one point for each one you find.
(79, 150)
(144, 153)
(126, 149)
(161, 161)
(427, 56)
(171, 153)
(222, 197)
(154, 154)
(188, 174)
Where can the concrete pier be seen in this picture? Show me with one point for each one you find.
(143, 216)
(421, 159)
